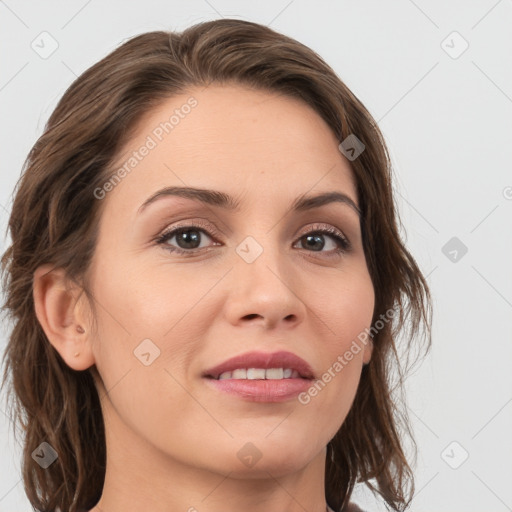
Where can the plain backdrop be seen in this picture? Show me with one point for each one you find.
(437, 77)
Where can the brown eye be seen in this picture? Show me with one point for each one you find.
(188, 239)
(315, 241)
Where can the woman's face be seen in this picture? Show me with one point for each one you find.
(256, 278)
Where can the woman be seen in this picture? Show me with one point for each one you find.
(207, 282)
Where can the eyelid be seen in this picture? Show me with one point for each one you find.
(208, 227)
(215, 232)
(319, 226)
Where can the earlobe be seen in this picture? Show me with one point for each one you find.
(367, 354)
(55, 303)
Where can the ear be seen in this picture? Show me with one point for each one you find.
(62, 317)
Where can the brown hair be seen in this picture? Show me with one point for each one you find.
(55, 216)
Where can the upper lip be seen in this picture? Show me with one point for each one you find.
(282, 359)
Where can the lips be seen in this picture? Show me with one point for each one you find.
(282, 359)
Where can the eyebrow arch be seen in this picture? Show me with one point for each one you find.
(223, 200)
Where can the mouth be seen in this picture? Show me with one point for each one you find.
(261, 366)
(260, 390)
(259, 374)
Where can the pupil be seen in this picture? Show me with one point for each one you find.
(312, 239)
(189, 239)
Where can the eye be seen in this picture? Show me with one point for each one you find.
(189, 238)
(315, 240)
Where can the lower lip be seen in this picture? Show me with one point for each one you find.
(262, 390)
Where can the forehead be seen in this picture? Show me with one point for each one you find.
(246, 142)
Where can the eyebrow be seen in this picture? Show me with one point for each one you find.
(223, 200)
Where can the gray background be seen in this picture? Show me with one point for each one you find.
(446, 115)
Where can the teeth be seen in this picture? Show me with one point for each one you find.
(260, 373)
(255, 373)
(274, 373)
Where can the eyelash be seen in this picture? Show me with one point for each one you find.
(344, 244)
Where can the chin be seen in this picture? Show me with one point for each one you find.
(264, 468)
(260, 457)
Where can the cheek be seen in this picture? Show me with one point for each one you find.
(350, 306)
(147, 299)
(349, 312)
(140, 312)
(146, 339)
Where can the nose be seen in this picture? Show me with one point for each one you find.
(265, 292)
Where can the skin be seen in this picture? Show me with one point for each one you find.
(172, 442)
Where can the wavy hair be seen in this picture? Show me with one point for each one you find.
(54, 219)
